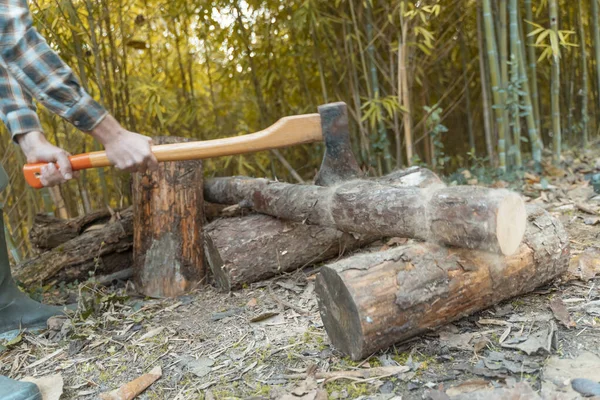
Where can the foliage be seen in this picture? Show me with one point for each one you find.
(209, 69)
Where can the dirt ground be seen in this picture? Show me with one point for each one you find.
(261, 341)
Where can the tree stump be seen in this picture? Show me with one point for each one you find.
(168, 218)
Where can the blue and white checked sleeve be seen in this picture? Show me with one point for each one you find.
(40, 71)
(17, 110)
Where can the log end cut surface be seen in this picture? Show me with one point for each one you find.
(511, 223)
(339, 312)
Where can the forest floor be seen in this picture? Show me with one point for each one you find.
(261, 341)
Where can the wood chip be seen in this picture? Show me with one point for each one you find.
(132, 389)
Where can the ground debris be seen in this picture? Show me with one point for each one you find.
(540, 340)
(584, 266)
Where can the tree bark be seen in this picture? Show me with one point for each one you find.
(244, 250)
(371, 301)
(49, 232)
(103, 251)
(470, 217)
(167, 250)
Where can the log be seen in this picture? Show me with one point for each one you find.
(464, 216)
(241, 251)
(371, 301)
(104, 250)
(168, 219)
(47, 232)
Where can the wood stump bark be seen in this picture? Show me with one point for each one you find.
(369, 302)
(168, 219)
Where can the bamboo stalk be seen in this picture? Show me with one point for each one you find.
(555, 86)
(463, 50)
(496, 82)
(515, 46)
(596, 39)
(584, 79)
(532, 129)
(532, 65)
(403, 90)
(484, 91)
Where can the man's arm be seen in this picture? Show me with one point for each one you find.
(18, 113)
(41, 72)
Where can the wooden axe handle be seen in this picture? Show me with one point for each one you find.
(298, 129)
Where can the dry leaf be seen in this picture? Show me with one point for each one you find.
(50, 386)
(561, 313)
(132, 389)
(152, 333)
(584, 266)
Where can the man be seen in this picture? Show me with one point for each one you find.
(30, 69)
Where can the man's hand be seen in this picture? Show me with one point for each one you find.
(127, 150)
(37, 149)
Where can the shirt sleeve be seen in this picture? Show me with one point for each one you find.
(17, 110)
(40, 71)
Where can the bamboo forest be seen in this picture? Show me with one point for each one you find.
(500, 85)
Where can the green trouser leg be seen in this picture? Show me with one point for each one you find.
(15, 309)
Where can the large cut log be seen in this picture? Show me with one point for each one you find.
(371, 301)
(244, 250)
(104, 250)
(168, 219)
(463, 216)
(249, 249)
(48, 232)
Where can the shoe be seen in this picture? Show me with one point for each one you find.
(15, 390)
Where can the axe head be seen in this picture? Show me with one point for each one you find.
(339, 163)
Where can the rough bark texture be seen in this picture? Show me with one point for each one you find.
(244, 250)
(168, 219)
(371, 301)
(48, 232)
(468, 215)
(104, 251)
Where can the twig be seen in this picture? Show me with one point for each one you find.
(119, 275)
(362, 374)
(287, 304)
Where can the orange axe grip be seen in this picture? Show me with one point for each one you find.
(32, 172)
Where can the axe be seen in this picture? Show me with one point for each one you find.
(329, 125)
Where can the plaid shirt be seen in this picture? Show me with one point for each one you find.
(29, 67)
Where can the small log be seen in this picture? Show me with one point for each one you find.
(48, 232)
(464, 216)
(168, 219)
(244, 250)
(371, 301)
(104, 251)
